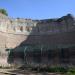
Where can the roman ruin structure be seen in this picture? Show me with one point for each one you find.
(49, 34)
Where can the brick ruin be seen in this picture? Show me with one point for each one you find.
(52, 36)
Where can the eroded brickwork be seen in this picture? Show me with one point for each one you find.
(13, 32)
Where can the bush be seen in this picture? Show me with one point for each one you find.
(71, 71)
(3, 11)
(57, 69)
(50, 69)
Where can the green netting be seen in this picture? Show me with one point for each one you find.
(39, 53)
(42, 47)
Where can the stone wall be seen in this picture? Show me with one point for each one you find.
(24, 26)
(18, 32)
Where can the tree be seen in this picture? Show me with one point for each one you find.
(3, 11)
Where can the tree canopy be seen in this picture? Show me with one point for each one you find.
(3, 11)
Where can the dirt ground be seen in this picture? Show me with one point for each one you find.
(23, 72)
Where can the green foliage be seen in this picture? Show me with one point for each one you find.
(3, 11)
(71, 71)
(58, 69)
(50, 69)
(55, 69)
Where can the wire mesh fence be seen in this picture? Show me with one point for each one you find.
(43, 55)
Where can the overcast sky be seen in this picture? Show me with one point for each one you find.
(38, 9)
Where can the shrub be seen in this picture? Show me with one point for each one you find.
(3, 11)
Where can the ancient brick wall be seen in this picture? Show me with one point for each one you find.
(15, 33)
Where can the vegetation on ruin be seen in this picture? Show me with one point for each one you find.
(56, 69)
(3, 11)
(59, 70)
